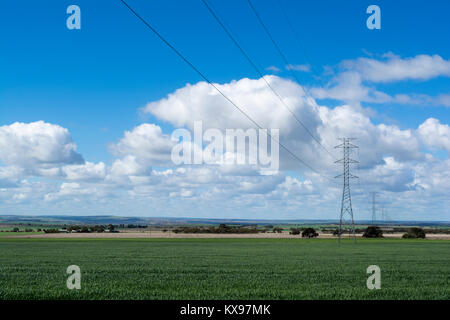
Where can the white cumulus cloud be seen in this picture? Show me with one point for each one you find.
(395, 68)
(37, 144)
(434, 134)
(146, 143)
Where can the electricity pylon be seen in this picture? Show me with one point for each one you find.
(374, 211)
(346, 206)
(383, 214)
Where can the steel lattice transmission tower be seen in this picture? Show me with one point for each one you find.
(374, 210)
(346, 206)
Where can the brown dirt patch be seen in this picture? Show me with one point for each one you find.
(160, 234)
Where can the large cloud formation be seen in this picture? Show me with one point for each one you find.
(199, 102)
(402, 163)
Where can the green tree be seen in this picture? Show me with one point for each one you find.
(373, 232)
(277, 230)
(415, 233)
(309, 233)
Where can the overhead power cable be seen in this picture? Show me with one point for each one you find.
(244, 53)
(277, 47)
(280, 52)
(217, 89)
(299, 43)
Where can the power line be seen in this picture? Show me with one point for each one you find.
(277, 47)
(216, 88)
(297, 38)
(244, 53)
(362, 186)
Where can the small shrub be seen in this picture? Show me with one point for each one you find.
(51, 230)
(84, 230)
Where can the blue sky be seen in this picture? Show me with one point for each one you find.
(94, 81)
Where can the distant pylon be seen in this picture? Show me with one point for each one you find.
(383, 214)
(374, 210)
(346, 206)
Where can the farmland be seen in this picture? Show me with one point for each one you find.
(224, 268)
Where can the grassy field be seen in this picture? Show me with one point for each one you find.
(224, 269)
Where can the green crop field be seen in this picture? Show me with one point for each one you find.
(223, 269)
